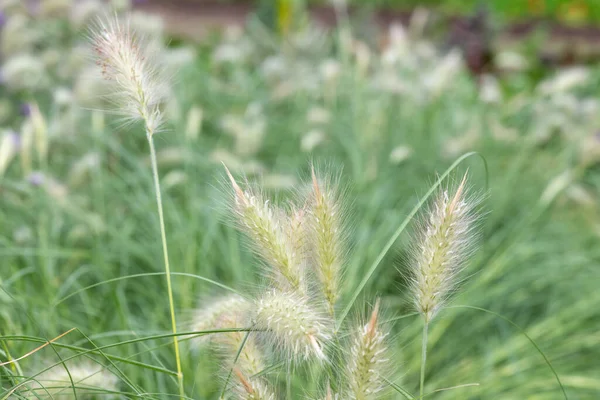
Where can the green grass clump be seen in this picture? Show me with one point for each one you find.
(79, 234)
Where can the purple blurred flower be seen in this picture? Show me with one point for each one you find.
(16, 139)
(36, 178)
(25, 109)
(33, 7)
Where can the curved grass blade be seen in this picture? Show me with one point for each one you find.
(237, 356)
(121, 278)
(449, 388)
(522, 331)
(401, 228)
(398, 388)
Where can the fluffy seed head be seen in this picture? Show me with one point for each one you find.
(226, 312)
(293, 324)
(267, 227)
(230, 312)
(252, 389)
(444, 243)
(89, 380)
(327, 240)
(367, 360)
(139, 85)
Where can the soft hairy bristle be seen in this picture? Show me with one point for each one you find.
(292, 324)
(266, 226)
(329, 394)
(367, 360)
(326, 238)
(445, 241)
(252, 388)
(230, 312)
(88, 378)
(139, 85)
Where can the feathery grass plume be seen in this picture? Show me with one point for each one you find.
(139, 91)
(250, 360)
(265, 225)
(445, 241)
(218, 314)
(294, 227)
(140, 87)
(228, 313)
(292, 324)
(327, 239)
(252, 389)
(90, 381)
(367, 360)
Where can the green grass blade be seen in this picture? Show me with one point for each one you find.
(400, 229)
(121, 278)
(522, 331)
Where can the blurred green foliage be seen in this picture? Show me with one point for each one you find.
(572, 11)
(78, 215)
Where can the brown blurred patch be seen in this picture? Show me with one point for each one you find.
(563, 44)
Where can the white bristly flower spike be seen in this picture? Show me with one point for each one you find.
(252, 388)
(445, 241)
(292, 324)
(367, 360)
(230, 312)
(90, 380)
(140, 86)
(217, 313)
(139, 89)
(268, 228)
(326, 238)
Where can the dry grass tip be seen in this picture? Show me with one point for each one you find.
(367, 360)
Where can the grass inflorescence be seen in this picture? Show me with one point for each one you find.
(80, 244)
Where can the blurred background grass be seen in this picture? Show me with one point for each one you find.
(389, 105)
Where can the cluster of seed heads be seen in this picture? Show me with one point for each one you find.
(302, 247)
(295, 316)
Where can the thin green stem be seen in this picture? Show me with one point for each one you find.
(163, 237)
(423, 357)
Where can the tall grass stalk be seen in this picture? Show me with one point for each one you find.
(163, 237)
(446, 240)
(423, 357)
(139, 90)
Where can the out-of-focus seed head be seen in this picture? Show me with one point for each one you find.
(230, 312)
(226, 312)
(252, 388)
(89, 379)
